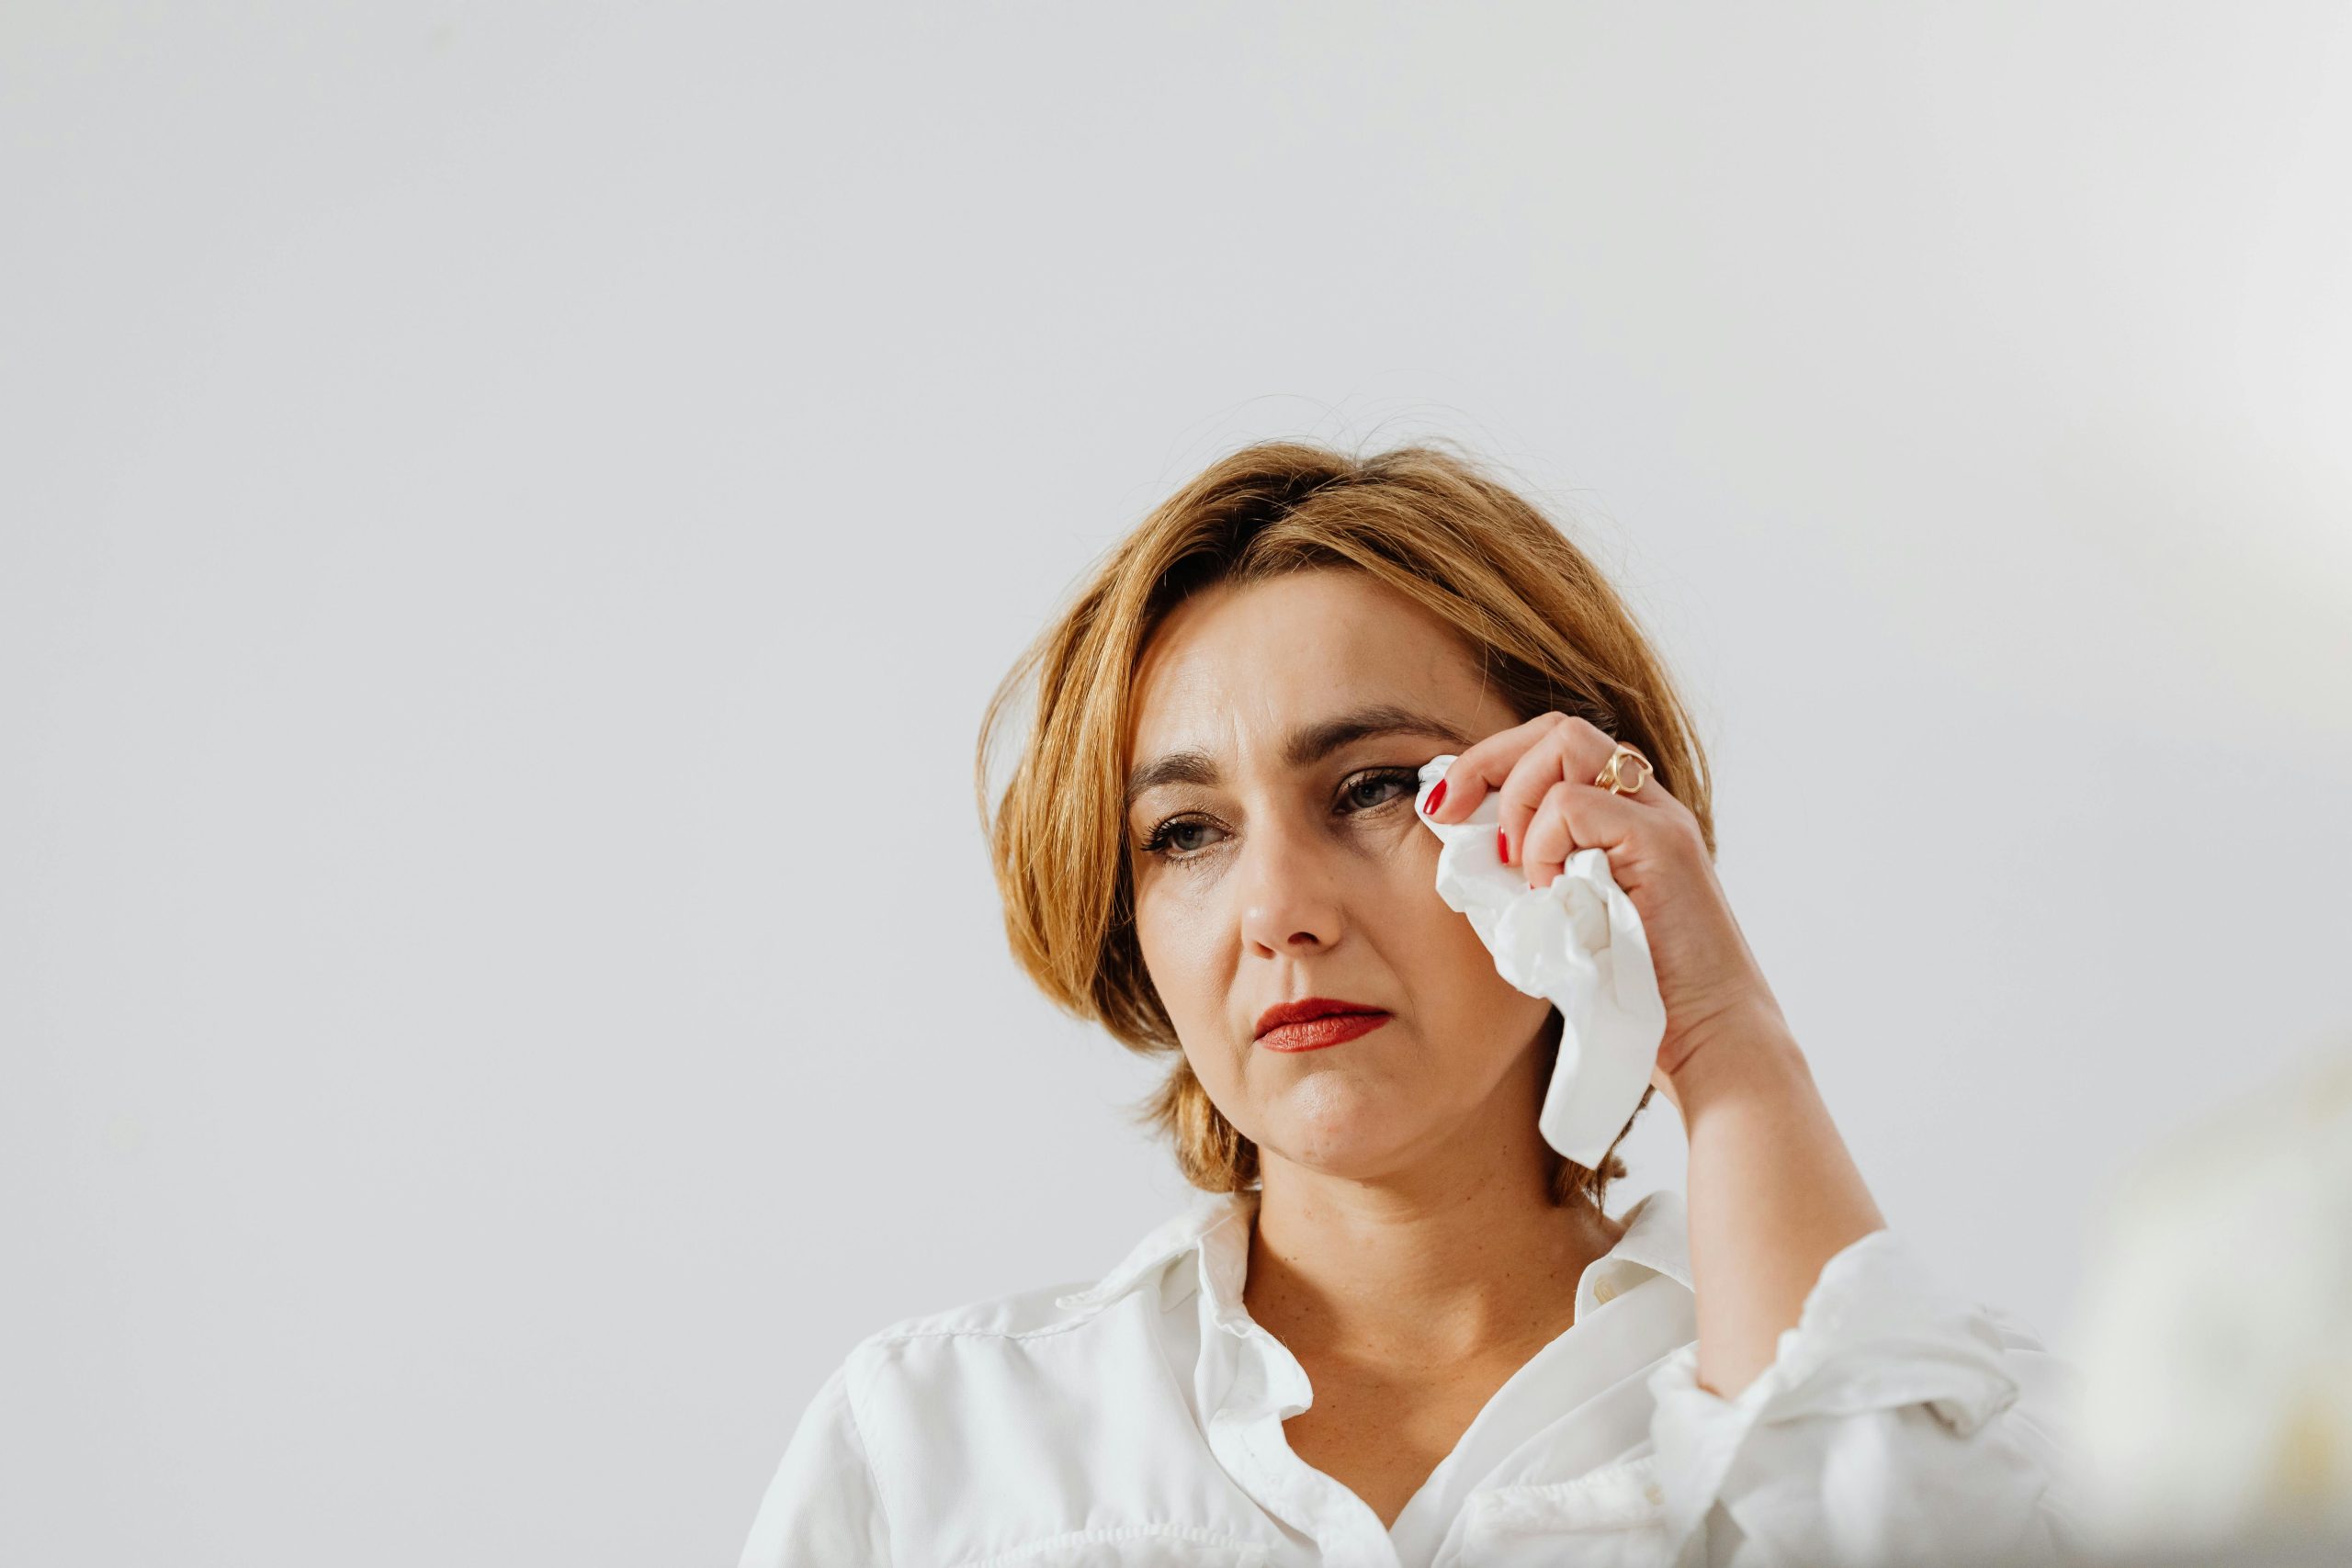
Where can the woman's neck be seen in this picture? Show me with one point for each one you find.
(1416, 1273)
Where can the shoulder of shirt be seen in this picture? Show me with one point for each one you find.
(1057, 1308)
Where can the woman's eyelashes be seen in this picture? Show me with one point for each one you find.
(1358, 796)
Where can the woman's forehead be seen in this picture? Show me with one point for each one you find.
(1263, 673)
(1307, 638)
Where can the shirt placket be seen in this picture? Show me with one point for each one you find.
(1259, 1384)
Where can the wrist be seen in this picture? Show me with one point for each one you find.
(1752, 1054)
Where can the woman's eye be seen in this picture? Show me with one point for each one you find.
(1366, 794)
(1174, 835)
(1165, 839)
(1400, 782)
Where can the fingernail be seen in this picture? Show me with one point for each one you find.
(1437, 797)
(1502, 845)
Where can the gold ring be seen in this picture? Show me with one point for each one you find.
(1609, 779)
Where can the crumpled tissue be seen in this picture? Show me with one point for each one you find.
(1578, 944)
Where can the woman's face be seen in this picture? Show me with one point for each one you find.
(1278, 731)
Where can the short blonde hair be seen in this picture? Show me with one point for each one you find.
(1550, 632)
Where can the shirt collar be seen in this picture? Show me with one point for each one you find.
(1203, 1213)
(1655, 1242)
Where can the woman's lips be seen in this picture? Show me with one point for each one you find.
(1313, 1033)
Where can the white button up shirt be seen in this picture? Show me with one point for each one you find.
(1139, 1421)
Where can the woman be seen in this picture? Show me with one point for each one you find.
(1392, 1326)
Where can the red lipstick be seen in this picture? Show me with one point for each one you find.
(1312, 1022)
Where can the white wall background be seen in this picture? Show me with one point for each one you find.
(510, 514)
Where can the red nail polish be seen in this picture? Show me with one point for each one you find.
(1502, 845)
(1437, 797)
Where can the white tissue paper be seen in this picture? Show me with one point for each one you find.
(1578, 944)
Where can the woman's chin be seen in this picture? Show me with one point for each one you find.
(1355, 1141)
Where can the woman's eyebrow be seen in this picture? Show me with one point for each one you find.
(1308, 745)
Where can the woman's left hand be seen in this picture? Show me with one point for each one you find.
(1550, 808)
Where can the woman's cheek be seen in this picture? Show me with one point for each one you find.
(1177, 937)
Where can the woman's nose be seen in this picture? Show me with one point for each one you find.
(1290, 896)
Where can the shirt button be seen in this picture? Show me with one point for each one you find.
(1653, 1493)
(1604, 1291)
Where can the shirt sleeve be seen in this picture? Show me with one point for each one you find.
(825, 1504)
(1896, 1420)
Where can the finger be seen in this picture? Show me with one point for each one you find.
(1582, 750)
(1521, 793)
(1573, 749)
(1575, 816)
(1481, 768)
(1548, 839)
